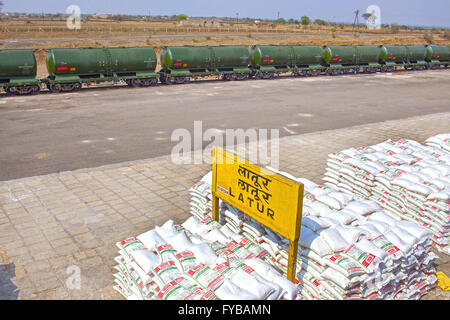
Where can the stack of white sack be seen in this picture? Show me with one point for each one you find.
(440, 141)
(196, 261)
(201, 197)
(407, 179)
(351, 249)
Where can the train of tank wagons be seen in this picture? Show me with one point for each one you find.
(69, 69)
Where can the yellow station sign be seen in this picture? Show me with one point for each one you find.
(271, 199)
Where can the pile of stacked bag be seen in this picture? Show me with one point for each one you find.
(408, 180)
(349, 248)
(196, 261)
(440, 141)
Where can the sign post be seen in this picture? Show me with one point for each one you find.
(271, 199)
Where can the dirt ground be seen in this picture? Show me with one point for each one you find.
(29, 28)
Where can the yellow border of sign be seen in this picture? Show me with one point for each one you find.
(294, 193)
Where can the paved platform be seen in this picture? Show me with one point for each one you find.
(46, 133)
(53, 226)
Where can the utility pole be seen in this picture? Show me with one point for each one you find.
(356, 20)
(278, 16)
(237, 17)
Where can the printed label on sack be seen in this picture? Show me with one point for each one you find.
(346, 265)
(131, 244)
(364, 258)
(186, 259)
(175, 291)
(166, 271)
(210, 222)
(253, 248)
(236, 264)
(166, 252)
(239, 251)
(224, 269)
(206, 277)
(368, 260)
(220, 249)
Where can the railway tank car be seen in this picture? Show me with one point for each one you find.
(68, 69)
(268, 60)
(180, 64)
(362, 58)
(18, 72)
(416, 56)
(438, 56)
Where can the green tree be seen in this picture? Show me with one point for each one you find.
(320, 22)
(182, 17)
(305, 20)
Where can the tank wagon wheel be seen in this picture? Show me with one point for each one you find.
(170, 80)
(36, 89)
(258, 75)
(53, 87)
(134, 82)
(334, 72)
(146, 82)
(166, 80)
(268, 75)
(177, 80)
(64, 87)
(23, 90)
(243, 76)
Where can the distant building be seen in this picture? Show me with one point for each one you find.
(204, 22)
(100, 16)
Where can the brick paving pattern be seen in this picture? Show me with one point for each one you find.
(55, 225)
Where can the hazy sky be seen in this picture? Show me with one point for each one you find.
(410, 12)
